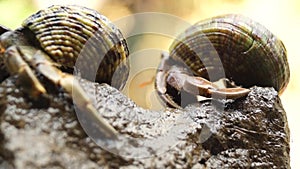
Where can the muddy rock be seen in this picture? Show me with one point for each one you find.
(251, 132)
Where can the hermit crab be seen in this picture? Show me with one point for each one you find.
(230, 47)
(49, 43)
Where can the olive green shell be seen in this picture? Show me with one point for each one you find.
(243, 49)
(66, 32)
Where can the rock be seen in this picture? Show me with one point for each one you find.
(251, 132)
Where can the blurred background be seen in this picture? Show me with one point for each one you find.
(282, 17)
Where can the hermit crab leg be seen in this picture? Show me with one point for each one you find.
(208, 89)
(39, 60)
(16, 65)
(200, 86)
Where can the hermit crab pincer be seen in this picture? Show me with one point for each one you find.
(51, 40)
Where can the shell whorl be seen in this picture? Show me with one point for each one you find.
(249, 53)
(63, 32)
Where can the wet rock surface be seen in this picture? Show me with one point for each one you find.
(247, 133)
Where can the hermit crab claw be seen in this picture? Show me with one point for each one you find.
(208, 89)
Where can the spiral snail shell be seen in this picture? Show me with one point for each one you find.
(245, 50)
(63, 31)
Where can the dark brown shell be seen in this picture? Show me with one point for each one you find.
(243, 49)
(63, 32)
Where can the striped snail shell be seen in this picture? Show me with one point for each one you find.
(63, 31)
(243, 49)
